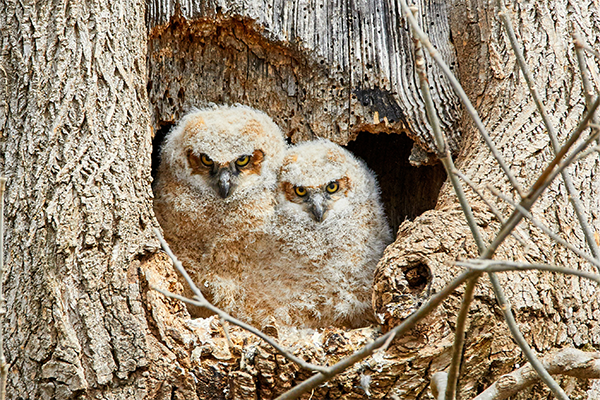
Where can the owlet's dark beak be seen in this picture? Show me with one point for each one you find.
(224, 182)
(318, 207)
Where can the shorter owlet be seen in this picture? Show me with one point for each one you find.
(331, 230)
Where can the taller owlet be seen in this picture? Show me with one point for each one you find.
(214, 198)
(332, 230)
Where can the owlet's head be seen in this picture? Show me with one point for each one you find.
(225, 152)
(323, 180)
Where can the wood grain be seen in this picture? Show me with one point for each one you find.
(327, 69)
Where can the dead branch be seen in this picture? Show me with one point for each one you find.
(547, 230)
(439, 383)
(570, 362)
(583, 222)
(505, 266)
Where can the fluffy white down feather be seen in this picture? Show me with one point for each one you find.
(220, 240)
(256, 254)
(334, 260)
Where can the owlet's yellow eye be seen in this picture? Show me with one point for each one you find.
(300, 191)
(242, 161)
(332, 187)
(206, 160)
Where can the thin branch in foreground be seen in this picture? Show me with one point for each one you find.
(588, 152)
(459, 339)
(571, 362)
(583, 68)
(539, 186)
(518, 234)
(547, 176)
(387, 343)
(202, 302)
(550, 172)
(3, 364)
(506, 266)
(249, 328)
(226, 330)
(515, 218)
(461, 94)
(547, 230)
(583, 222)
(370, 348)
(446, 158)
(440, 141)
(509, 317)
(591, 50)
(545, 179)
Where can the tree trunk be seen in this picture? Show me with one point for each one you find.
(76, 146)
(552, 310)
(76, 121)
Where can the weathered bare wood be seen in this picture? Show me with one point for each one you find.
(568, 362)
(319, 68)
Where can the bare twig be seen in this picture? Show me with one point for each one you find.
(547, 230)
(505, 266)
(387, 343)
(549, 173)
(446, 158)
(583, 222)
(588, 152)
(226, 330)
(249, 328)
(501, 237)
(3, 365)
(540, 185)
(543, 181)
(461, 93)
(366, 351)
(177, 264)
(583, 68)
(521, 342)
(440, 141)
(546, 178)
(587, 48)
(459, 339)
(202, 302)
(570, 362)
(517, 233)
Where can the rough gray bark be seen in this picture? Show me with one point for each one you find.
(553, 311)
(76, 149)
(82, 320)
